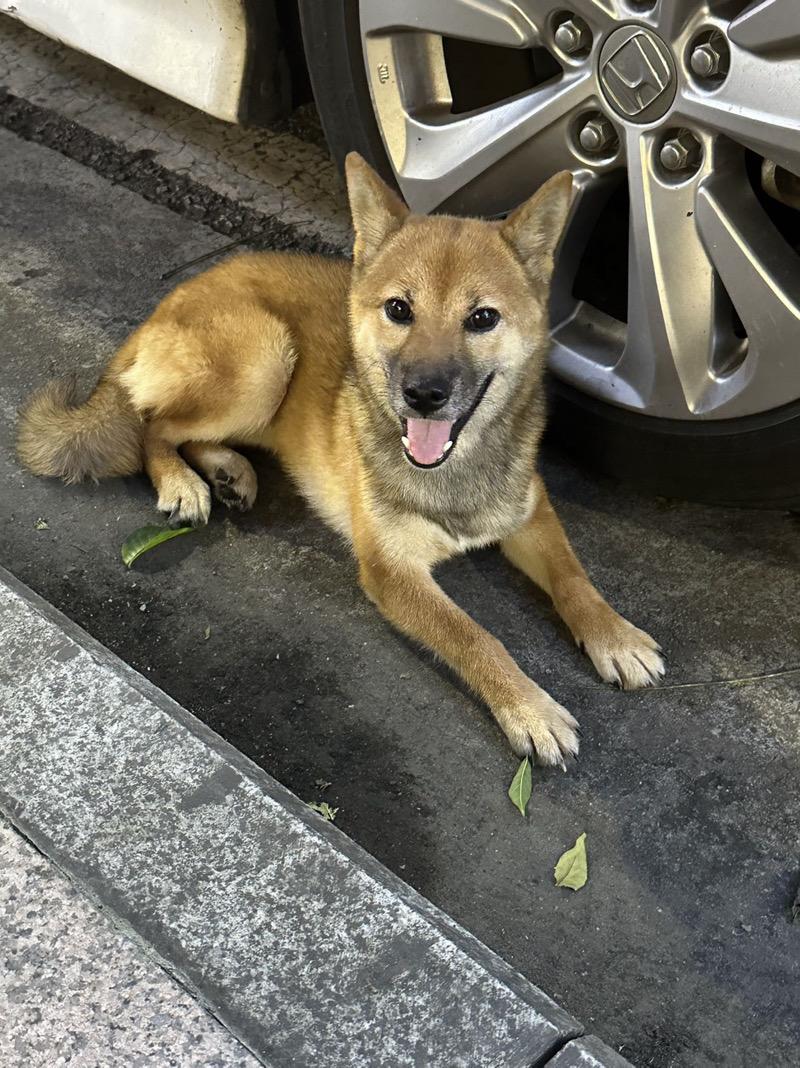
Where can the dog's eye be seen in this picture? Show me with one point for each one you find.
(482, 319)
(399, 311)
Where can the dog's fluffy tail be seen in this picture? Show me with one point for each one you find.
(98, 439)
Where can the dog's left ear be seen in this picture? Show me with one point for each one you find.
(534, 229)
(377, 212)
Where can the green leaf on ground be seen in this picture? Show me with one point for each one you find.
(42, 524)
(324, 809)
(521, 785)
(146, 538)
(572, 869)
(207, 633)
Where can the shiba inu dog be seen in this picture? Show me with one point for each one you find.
(402, 393)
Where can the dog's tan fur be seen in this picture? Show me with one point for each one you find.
(261, 351)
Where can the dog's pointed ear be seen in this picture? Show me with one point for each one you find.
(534, 229)
(377, 212)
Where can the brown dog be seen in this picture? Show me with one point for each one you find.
(411, 424)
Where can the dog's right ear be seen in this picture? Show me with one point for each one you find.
(534, 229)
(377, 212)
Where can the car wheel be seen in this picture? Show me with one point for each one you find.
(676, 298)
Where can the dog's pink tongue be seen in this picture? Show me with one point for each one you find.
(427, 439)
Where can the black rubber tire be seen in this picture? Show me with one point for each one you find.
(335, 64)
(751, 462)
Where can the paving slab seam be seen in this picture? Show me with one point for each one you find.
(138, 172)
(74, 989)
(295, 938)
(96, 901)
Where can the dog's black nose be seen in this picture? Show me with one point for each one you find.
(426, 395)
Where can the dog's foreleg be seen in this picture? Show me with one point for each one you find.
(622, 653)
(183, 496)
(407, 594)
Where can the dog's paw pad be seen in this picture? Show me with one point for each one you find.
(236, 489)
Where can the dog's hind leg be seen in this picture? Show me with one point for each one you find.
(183, 496)
(231, 476)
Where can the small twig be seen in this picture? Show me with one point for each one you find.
(732, 682)
(783, 673)
(207, 256)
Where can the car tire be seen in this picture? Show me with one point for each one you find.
(753, 461)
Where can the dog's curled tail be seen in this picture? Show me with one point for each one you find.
(100, 438)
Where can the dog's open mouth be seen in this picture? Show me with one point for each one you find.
(429, 442)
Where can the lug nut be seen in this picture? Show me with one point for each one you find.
(681, 152)
(596, 135)
(705, 61)
(573, 36)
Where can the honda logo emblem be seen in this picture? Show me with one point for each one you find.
(637, 74)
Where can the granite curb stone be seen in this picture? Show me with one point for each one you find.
(303, 945)
(587, 1052)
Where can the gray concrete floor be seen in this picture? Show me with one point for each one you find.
(273, 172)
(679, 951)
(74, 990)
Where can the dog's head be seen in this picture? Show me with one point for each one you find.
(449, 316)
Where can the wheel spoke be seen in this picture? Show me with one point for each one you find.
(500, 22)
(758, 108)
(440, 158)
(671, 291)
(600, 14)
(512, 23)
(762, 276)
(671, 16)
(768, 26)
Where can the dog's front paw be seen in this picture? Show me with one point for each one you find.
(186, 501)
(622, 654)
(540, 728)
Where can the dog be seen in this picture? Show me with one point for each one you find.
(403, 394)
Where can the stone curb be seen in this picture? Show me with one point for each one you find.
(302, 944)
(587, 1052)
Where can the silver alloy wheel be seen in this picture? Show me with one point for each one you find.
(713, 292)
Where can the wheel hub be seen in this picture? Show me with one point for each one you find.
(637, 74)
